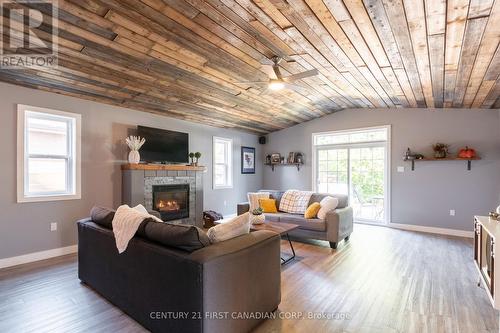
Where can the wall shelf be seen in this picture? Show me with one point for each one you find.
(429, 159)
(284, 164)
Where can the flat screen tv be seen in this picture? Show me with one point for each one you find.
(163, 146)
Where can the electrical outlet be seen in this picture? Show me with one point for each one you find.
(401, 169)
(452, 212)
(53, 226)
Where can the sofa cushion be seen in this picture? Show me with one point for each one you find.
(184, 237)
(303, 223)
(273, 217)
(102, 216)
(343, 198)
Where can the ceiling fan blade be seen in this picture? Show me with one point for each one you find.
(276, 70)
(303, 75)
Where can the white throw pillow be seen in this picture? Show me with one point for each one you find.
(327, 204)
(253, 199)
(237, 226)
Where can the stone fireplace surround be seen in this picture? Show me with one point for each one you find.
(138, 181)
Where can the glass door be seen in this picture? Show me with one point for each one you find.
(367, 195)
(356, 164)
(333, 171)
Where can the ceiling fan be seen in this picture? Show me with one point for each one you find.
(283, 82)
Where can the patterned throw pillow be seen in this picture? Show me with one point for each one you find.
(295, 202)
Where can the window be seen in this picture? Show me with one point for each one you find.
(223, 171)
(355, 163)
(48, 154)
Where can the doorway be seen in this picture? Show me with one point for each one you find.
(355, 163)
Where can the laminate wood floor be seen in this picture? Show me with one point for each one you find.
(382, 280)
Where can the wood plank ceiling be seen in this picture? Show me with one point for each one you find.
(185, 59)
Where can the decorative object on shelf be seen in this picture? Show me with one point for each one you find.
(466, 153)
(494, 216)
(440, 150)
(257, 216)
(299, 158)
(275, 158)
(197, 155)
(282, 160)
(412, 156)
(191, 156)
(134, 143)
(291, 158)
(268, 159)
(247, 160)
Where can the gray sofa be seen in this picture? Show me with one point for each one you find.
(337, 225)
(150, 280)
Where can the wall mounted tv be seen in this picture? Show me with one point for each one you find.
(163, 146)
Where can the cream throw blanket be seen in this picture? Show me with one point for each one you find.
(126, 222)
(237, 226)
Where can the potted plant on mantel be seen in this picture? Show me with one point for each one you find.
(197, 155)
(440, 150)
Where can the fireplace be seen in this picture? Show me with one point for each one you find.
(171, 201)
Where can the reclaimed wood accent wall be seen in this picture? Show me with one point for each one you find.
(187, 58)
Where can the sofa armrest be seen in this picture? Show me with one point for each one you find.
(243, 207)
(240, 275)
(339, 223)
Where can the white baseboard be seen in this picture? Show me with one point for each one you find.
(433, 230)
(36, 256)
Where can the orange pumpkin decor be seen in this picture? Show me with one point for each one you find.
(467, 153)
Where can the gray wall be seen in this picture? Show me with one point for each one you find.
(24, 228)
(424, 196)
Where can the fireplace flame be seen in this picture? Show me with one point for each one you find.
(167, 206)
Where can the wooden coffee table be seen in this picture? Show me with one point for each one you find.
(281, 228)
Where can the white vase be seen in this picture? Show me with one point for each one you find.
(134, 157)
(257, 219)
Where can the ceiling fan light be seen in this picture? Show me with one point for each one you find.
(276, 85)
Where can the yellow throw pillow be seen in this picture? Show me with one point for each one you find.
(268, 205)
(312, 210)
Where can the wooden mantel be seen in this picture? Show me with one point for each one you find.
(170, 167)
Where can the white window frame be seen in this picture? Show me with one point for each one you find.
(387, 171)
(73, 155)
(228, 163)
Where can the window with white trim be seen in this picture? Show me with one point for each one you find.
(48, 151)
(222, 163)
